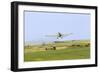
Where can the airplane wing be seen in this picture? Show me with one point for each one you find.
(51, 35)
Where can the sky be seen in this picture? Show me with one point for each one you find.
(39, 24)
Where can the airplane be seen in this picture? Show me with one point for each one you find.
(59, 35)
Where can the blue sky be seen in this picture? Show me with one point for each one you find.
(39, 24)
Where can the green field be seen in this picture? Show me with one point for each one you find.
(64, 51)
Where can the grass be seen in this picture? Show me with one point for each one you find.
(62, 54)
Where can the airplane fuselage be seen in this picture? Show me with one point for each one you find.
(59, 35)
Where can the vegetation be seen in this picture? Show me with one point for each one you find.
(66, 50)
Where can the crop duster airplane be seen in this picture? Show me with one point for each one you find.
(59, 35)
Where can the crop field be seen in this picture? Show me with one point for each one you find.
(66, 50)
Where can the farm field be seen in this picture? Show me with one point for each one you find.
(66, 50)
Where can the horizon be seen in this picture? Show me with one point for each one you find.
(41, 42)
